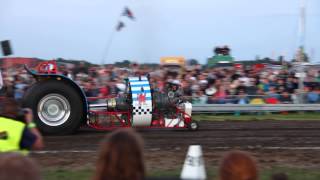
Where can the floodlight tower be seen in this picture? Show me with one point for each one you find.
(301, 54)
(302, 30)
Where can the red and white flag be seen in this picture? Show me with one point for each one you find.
(127, 12)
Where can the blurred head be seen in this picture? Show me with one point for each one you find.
(280, 81)
(222, 88)
(260, 92)
(18, 167)
(238, 165)
(272, 89)
(241, 92)
(285, 93)
(121, 157)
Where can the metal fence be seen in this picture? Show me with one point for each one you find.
(299, 102)
(227, 108)
(297, 98)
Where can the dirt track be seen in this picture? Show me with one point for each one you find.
(273, 143)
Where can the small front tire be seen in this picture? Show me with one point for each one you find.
(193, 126)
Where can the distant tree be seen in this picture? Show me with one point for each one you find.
(266, 59)
(74, 62)
(152, 65)
(280, 58)
(124, 63)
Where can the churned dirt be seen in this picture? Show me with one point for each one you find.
(272, 143)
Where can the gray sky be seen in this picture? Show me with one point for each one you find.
(80, 29)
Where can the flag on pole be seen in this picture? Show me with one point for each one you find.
(127, 12)
(120, 26)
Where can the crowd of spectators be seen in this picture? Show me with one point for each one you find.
(200, 85)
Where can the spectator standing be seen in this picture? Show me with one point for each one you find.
(285, 98)
(295, 96)
(251, 87)
(81, 69)
(203, 82)
(241, 99)
(272, 93)
(264, 84)
(291, 85)
(200, 98)
(18, 133)
(112, 88)
(312, 96)
(258, 99)
(186, 86)
(19, 88)
(221, 95)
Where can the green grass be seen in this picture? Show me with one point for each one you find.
(65, 174)
(293, 173)
(85, 174)
(251, 117)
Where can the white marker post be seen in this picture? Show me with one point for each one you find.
(194, 167)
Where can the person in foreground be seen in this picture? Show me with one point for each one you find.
(18, 167)
(18, 132)
(238, 165)
(121, 157)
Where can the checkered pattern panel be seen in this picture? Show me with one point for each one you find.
(140, 111)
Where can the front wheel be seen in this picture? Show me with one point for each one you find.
(193, 126)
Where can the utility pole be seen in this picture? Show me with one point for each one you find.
(300, 54)
(302, 25)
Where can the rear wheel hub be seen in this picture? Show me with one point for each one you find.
(53, 109)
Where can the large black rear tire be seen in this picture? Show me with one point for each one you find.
(57, 107)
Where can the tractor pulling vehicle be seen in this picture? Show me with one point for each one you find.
(61, 107)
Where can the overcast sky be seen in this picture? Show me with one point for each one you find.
(80, 29)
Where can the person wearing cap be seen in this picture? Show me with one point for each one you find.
(18, 132)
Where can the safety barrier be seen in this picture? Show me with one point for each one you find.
(297, 98)
(220, 108)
